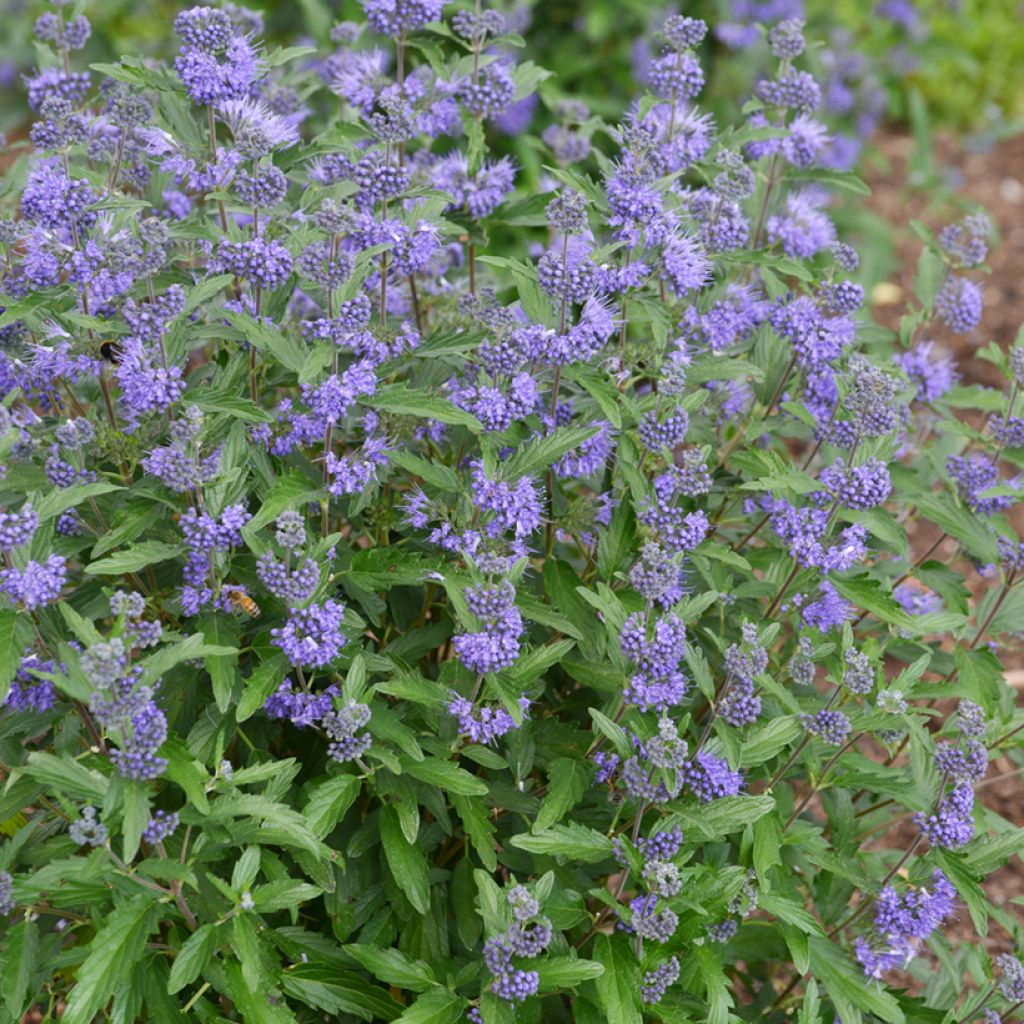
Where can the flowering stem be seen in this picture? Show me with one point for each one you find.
(821, 780)
(179, 896)
(789, 764)
(762, 213)
(213, 153)
(782, 591)
(116, 168)
(254, 391)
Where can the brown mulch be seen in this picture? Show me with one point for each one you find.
(993, 180)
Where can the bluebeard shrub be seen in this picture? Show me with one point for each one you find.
(431, 595)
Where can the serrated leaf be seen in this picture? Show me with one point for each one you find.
(19, 965)
(540, 454)
(393, 967)
(66, 775)
(138, 556)
(618, 986)
(60, 499)
(846, 986)
(446, 774)
(576, 842)
(10, 653)
(557, 972)
(328, 803)
(568, 780)
(406, 860)
(407, 401)
(118, 944)
(333, 991)
(195, 953)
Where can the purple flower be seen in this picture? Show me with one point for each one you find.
(28, 692)
(160, 826)
(658, 682)
(806, 140)
(17, 528)
(685, 264)
(312, 636)
(829, 611)
(38, 584)
(483, 724)
(932, 370)
(711, 778)
(264, 264)
(959, 305)
(831, 726)
(491, 94)
(302, 709)
(951, 825)
(804, 229)
(856, 487)
(399, 17)
(972, 476)
(53, 200)
(480, 194)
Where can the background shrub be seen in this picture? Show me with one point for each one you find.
(468, 552)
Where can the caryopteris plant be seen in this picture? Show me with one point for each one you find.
(438, 592)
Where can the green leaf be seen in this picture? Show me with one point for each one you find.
(195, 953)
(727, 815)
(283, 894)
(221, 631)
(235, 406)
(406, 860)
(138, 556)
(189, 649)
(959, 523)
(764, 743)
(328, 803)
(187, 772)
(10, 652)
(393, 967)
(540, 454)
(136, 816)
(66, 775)
(282, 55)
(204, 291)
(846, 986)
(438, 1006)
(60, 499)
(406, 401)
(262, 682)
(285, 350)
(574, 841)
(434, 473)
(292, 826)
(446, 774)
(568, 780)
(867, 594)
(325, 987)
(19, 965)
(255, 1006)
(788, 910)
(810, 1006)
(619, 985)
(479, 828)
(566, 972)
(120, 943)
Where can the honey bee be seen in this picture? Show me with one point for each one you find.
(242, 602)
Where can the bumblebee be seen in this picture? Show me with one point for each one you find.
(242, 602)
(111, 351)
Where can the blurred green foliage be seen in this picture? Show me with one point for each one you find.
(964, 58)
